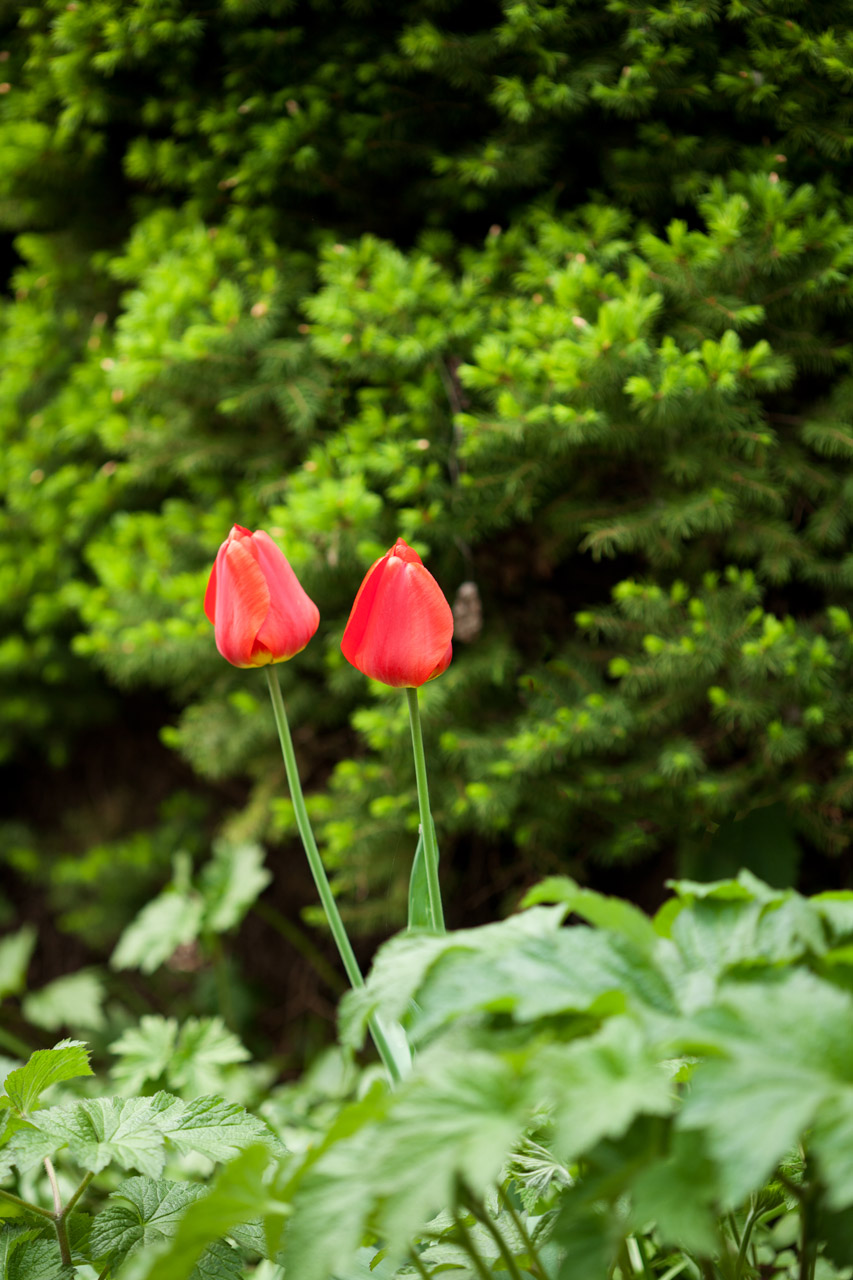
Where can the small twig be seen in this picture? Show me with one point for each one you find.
(54, 1186)
(25, 1204)
(78, 1193)
(58, 1215)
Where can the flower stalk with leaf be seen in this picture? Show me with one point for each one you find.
(399, 632)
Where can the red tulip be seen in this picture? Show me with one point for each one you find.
(255, 602)
(400, 627)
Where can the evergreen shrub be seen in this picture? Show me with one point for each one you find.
(559, 292)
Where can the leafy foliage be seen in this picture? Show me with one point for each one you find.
(228, 885)
(687, 1118)
(95, 1134)
(676, 1090)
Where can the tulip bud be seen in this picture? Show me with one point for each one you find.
(255, 601)
(400, 627)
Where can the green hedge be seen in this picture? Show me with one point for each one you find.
(558, 292)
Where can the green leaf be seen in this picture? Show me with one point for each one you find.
(65, 1061)
(15, 953)
(140, 1212)
(30, 1253)
(420, 907)
(597, 909)
(231, 882)
(238, 1194)
(218, 1262)
(836, 908)
(12, 1236)
(395, 1158)
(743, 888)
(144, 1052)
(75, 999)
(715, 935)
(191, 1060)
(402, 964)
(599, 1084)
(527, 967)
(589, 1235)
(577, 970)
(785, 1049)
(167, 922)
(97, 1132)
(211, 1127)
(205, 1046)
(137, 1133)
(678, 1193)
(830, 1141)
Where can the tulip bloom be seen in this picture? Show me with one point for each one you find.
(400, 627)
(256, 603)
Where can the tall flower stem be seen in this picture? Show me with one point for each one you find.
(427, 829)
(318, 871)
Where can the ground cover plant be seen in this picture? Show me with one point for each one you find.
(622, 1096)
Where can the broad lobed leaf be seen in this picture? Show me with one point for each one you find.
(138, 1133)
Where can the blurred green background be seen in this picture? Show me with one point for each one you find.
(560, 293)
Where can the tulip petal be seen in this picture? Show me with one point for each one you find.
(292, 617)
(352, 643)
(237, 533)
(242, 602)
(401, 625)
(210, 593)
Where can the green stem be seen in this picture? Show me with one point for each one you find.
(482, 1215)
(318, 871)
(644, 1261)
(221, 979)
(59, 1215)
(734, 1230)
(427, 829)
(751, 1220)
(808, 1243)
(78, 1193)
(418, 1265)
(301, 943)
(471, 1249)
(522, 1231)
(25, 1204)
